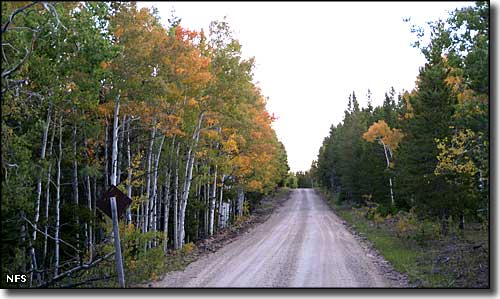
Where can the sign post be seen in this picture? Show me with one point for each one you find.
(114, 203)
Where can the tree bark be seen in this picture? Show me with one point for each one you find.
(129, 174)
(75, 182)
(58, 200)
(119, 158)
(221, 202)
(106, 169)
(114, 167)
(89, 229)
(176, 199)
(148, 178)
(39, 189)
(212, 204)
(47, 194)
(387, 152)
(188, 177)
(153, 219)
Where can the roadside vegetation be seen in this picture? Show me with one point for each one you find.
(413, 173)
(417, 248)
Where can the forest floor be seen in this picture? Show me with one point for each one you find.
(302, 244)
(457, 260)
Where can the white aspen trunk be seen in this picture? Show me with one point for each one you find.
(148, 177)
(176, 199)
(206, 200)
(47, 195)
(58, 201)
(187, 180)
(88, 225)
(119, 158)
(220, 200)
(154, 214)
(129, 174)
(39, 183)
(114, 212)
(166, 202)
(106, 169)
(94, 192)
(212, 204)
(166, 209)
(241, 199)
(386, 149)
(75, 183)
(155, 182)
(39, 192)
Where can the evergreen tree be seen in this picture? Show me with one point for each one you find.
(432, 107)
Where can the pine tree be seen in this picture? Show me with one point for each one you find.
(432, 106)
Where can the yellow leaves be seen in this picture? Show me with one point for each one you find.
(70, 86)
(384, 134)
(455, 82)
(456, 154)
(192, 103)
(254, 185)
(119, 32)
(201, 154)
(211, 134)
(106, 109)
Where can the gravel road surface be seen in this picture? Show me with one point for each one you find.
(303, 244)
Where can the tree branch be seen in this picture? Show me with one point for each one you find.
(21, 9)
(71, 271)
(49, 236)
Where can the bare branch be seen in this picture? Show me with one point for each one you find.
(25, 58)
(21, 9)
(43, 233)
(71, 271)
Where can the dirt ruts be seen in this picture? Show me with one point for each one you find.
(303, 244)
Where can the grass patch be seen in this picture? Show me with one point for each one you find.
(430, 260)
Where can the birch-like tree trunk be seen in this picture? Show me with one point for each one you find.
(148, 178)
(39, 192)
(89, 229)
(106, 161)
(47, 194)
(129, 174)
(188, 177)
(39, 183)
(114, 168)
(221, 201)
(75, 182)
(241, 199)
(58, 201)
(166, 209)
(387, 152)
(119, 158)
(176, 199)
(154, 197)
(212, 204)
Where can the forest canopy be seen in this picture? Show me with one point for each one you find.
(100, 94)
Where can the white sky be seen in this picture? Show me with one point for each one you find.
(311, 55)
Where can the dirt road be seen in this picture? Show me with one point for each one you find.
(303, 244)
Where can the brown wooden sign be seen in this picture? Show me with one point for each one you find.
(122, 201)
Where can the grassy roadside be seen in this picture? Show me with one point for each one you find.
(457, 260)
